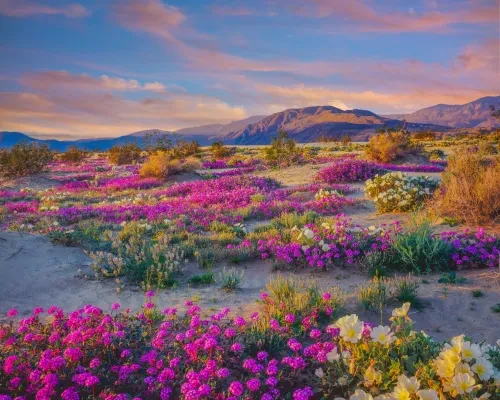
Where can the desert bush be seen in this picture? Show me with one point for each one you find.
(230, 279)
(347, 170)
(126, 154)
(219, 150)
(487, 149)
(416, 249)
(398, 192)
(282, 152)
(73, 154)
(162, 165)
(24, 159)
(204, 279)
(389, 146)
(436, 154)
(183, 149)
(470, 188)
(424, 136)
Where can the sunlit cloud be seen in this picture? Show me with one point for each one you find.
(25, 8)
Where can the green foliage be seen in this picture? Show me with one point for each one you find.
(417, 250)
(219, 150)
(24, 159)
(451, 278)
(204, 279)
(126, 154)
(73, 154)
(477, 293)
(282, 152)
(183, 149)
(230, 279)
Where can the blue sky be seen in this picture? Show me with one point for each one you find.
(108, 68)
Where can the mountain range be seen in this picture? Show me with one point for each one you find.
(302, 124)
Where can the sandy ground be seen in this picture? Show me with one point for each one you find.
(35, 272)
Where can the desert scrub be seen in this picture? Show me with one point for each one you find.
(24, 159)
(470, 188)
(162, 165)
(149, 262)
(204, 279)
(389, 146)
(283, 152)
(230, 279)
(73, 154)
(416, 249)
(398, 192)
(126, 154)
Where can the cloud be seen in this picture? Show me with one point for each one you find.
(359, 15)
(54, 80)
(86, 114)
(24, 8)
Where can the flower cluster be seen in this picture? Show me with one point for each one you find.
(397, 192)
(154, 354)
(348, 170)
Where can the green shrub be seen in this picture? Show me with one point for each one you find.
(73, 154)
(24, 159)
(230, 279)
(219, 150)
(204, 279)
(282, 152)
(417, 250)
(404, 289)
(126, 154)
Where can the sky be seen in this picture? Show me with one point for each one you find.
(106, 68)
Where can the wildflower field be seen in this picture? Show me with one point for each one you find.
(206, 232)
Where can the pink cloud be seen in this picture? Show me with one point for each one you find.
(25, 8)
(367, 18)
(50, 80)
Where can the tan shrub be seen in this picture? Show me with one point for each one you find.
(73, 154)
(470, 190)
(162, 165)
(387, 147)
(126, 154)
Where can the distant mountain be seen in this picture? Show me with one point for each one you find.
(218, 130)
(475, 114)
(309, 123)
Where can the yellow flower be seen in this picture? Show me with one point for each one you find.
(400, 393)
(401, 311)
(428, 394)
(372, 376)
(463, 383)
(470, 351)
(411, 384)
(352, 332)
(381, 334)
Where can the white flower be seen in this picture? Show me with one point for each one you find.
(410, 384)
(319, 373)
(308, 233)
(483, 368)
(428, 394)
(352, 332)
(470, 351)
(381, 334)
(325, 247)
(333, 355)
(361, 395)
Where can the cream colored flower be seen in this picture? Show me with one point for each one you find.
(342, 381)
(333, 355)
(483, 368)
(352, 332)
(411, 384)
(463, 383)
(361, 395)
(381, 334)
(402, 311)
(470, 351)
(427, 394)
(372, 376)
(319, 373)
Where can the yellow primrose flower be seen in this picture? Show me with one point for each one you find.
(444, 368)
(401, 311)
(450, 355)
(463, 368)
(400, 393)
(428, 394)
(361, 395)
(381, 334)
(372, 376)
(411, 384)
(463, 383)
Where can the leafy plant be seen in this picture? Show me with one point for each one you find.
(24, 159)
(231, 279)
(126, 154)
(204, 279)
(282, 152)
(451, 278)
